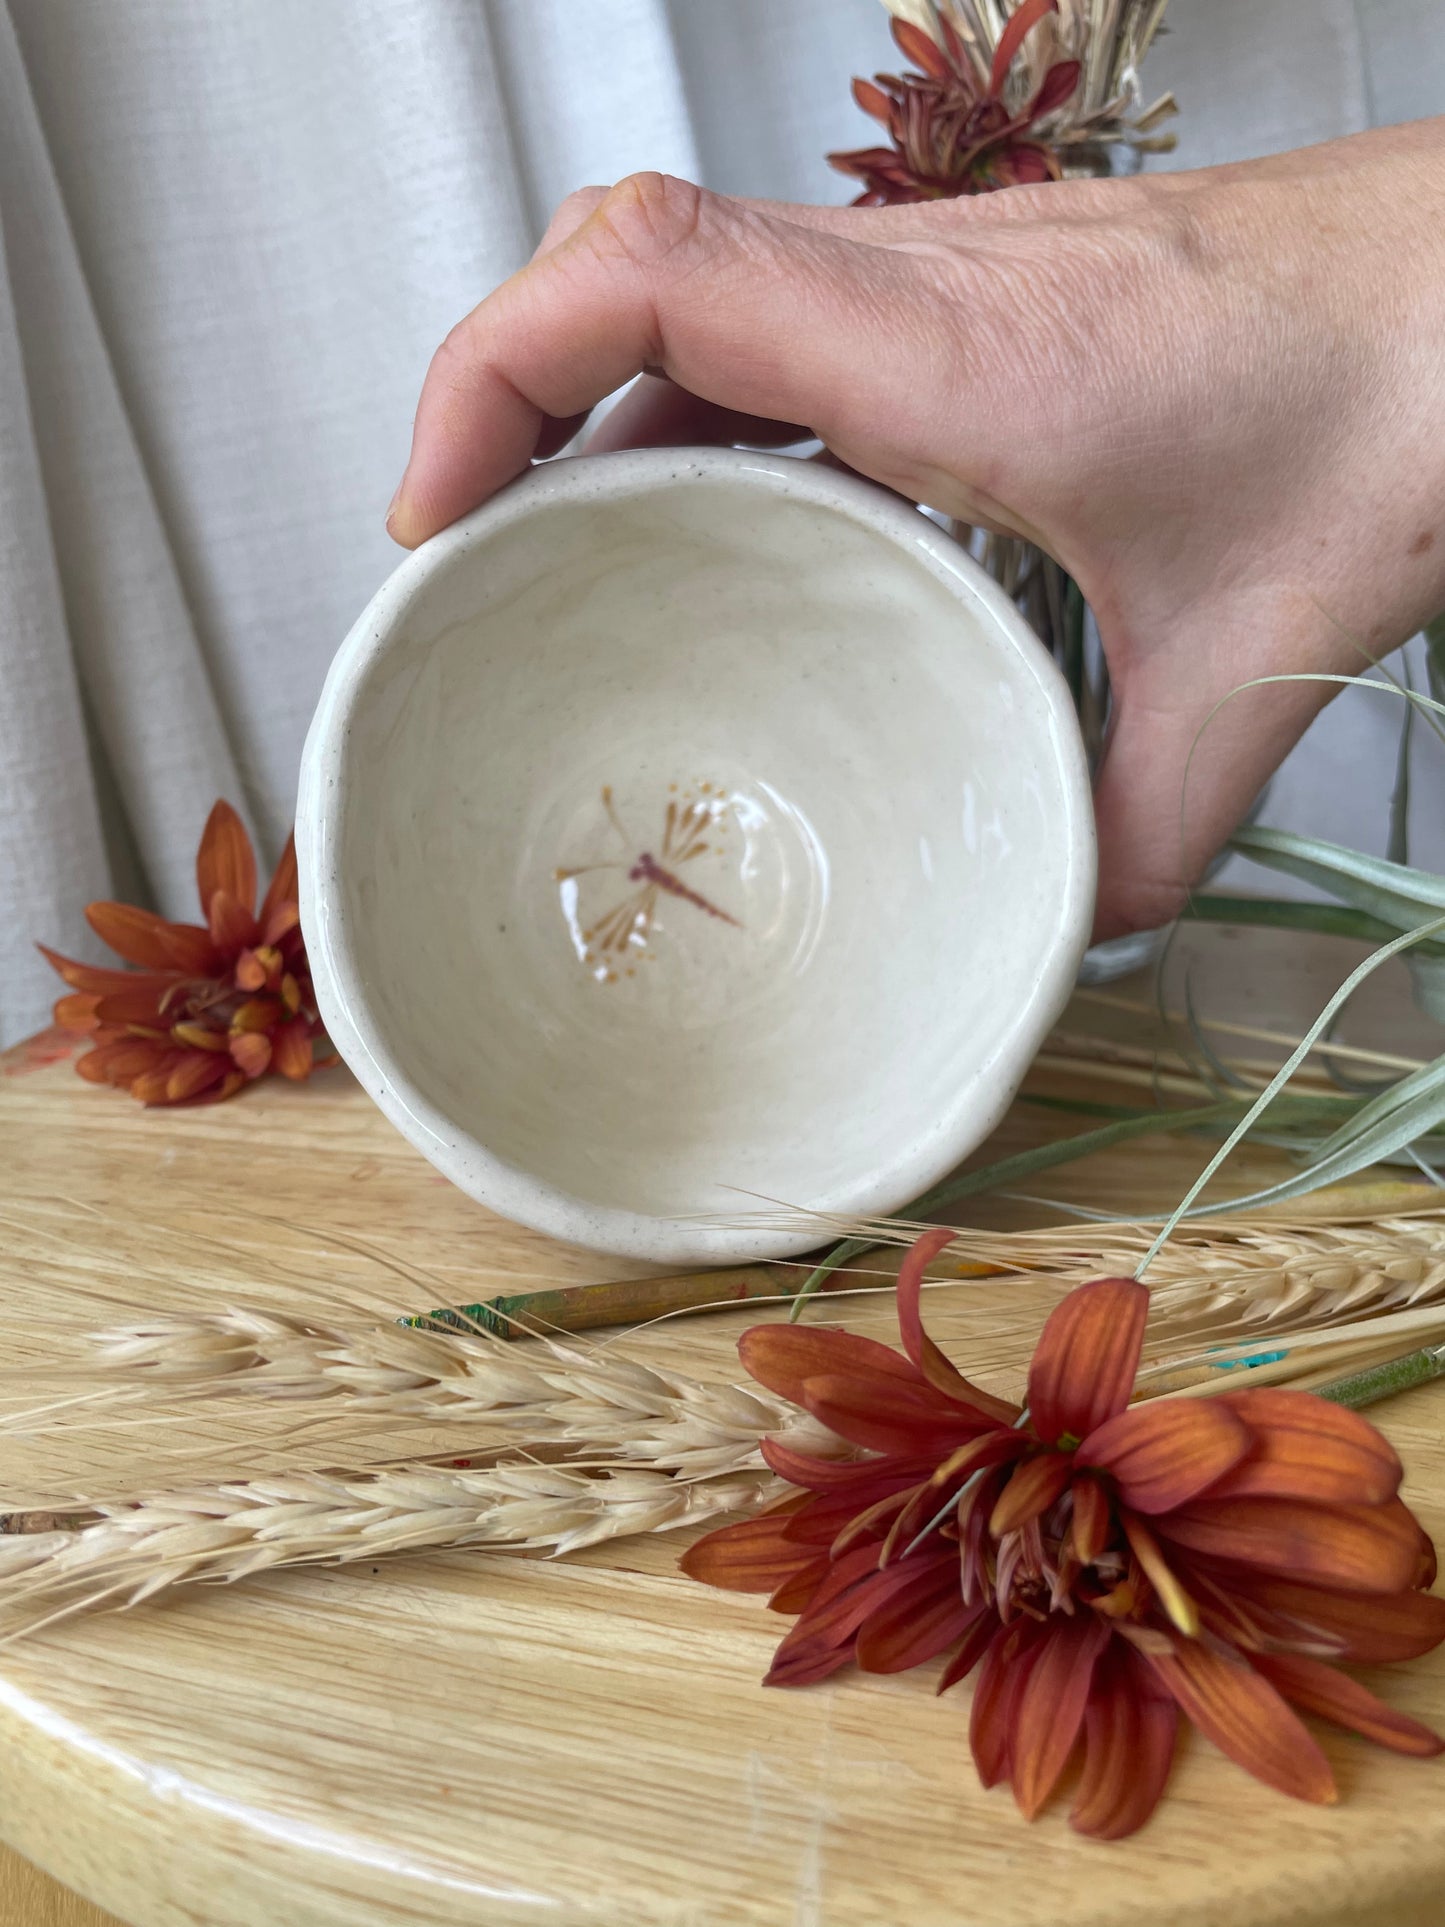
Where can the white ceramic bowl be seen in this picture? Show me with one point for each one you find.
(686, 830)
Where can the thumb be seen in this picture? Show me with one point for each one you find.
(1185, 760)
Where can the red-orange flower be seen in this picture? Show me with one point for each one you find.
(211, 1006)
(949, 135)
(1104, 1567)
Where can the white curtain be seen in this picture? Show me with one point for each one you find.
(231, 233)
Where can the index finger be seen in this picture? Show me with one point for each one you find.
(738, 306)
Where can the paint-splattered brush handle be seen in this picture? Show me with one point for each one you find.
(636, 1301)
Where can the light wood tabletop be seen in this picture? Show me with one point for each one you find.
(482, 1739)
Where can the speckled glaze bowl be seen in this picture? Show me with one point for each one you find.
(690, 832)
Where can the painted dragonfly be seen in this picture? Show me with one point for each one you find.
(627, 926)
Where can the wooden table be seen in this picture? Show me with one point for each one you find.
(476, 1739)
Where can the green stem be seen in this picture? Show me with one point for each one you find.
(1280, 913)
(1383, 1381)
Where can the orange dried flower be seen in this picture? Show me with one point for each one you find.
(1104, 1567)
(949, 135)
(210, 1007)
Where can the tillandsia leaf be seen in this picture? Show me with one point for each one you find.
(1402, 1126)
(1435, 657)
(1292, 913)
(1309, 1181)
(1424, 1088)
(1394, 892)
(1397, 845)
(1428, 971)
(1221, 1077)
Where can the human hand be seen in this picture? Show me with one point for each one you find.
(1216, 398)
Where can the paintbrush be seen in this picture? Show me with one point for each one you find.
(640, 1301)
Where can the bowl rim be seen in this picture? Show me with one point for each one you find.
(520, 1195)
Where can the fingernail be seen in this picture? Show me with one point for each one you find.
(394, 504)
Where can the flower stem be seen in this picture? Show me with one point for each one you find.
(1382, 1381)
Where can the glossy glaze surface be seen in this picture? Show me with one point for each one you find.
(684, 830)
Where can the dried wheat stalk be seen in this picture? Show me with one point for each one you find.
(549, 1395)
(1237, 1273)
(227, 1532)
(1286, 1279)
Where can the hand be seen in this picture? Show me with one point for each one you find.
(1217, 398)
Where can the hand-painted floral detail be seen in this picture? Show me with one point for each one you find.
(1102, 1567)
(210, 1007)
(623, 933)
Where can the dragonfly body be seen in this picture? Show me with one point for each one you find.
(648, 870)
(627, 927)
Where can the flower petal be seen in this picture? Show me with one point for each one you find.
(249, 971)
(256, 1014)
(1031, 1490)
(884, 1415)
(1371, 1628)
(143, 938)
(233, 927)
(938, 1370)
(1129, 1730)
(918, 1623)
(851, 1591)
(873, 101)
(1167, 1451)
(1020, 24)
(198, 1072)
(751, 1556)
(282, 890)
(251, 1052)
(1054, 89)
(781, 1357)
(1320, 1689)
(200, 1036)
(1087, 1356)
(795, 1593)
(915, 45)
(1246, 1719)
(1050, 1708)
(1353, 1548)
(225, 861)
(150, 1086)
(77, 1012)
(806, 1665)
(95, 977)
(280, 921)
(292, 1050)
(817, 1475)
(1307, 1448)
(1092, 1516)
(1174, 1596)
(841, 1475)
(120, 1060)
(822, 1518)
(976, 1642)
(135, 1005)
(956, 1472)
(996, 1693)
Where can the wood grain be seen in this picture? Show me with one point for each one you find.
(480, 1739)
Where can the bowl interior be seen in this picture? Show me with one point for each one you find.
(702, 846)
